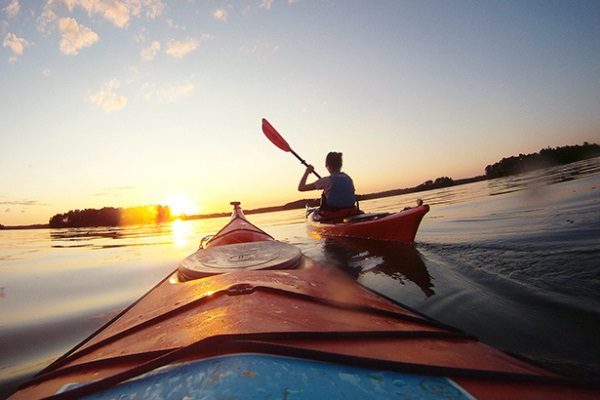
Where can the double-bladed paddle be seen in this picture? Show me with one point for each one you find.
(275, 138)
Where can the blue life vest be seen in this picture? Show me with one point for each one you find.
(341, 194)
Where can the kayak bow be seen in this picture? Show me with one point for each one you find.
(278, 326)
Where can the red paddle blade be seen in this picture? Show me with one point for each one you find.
(274, 136)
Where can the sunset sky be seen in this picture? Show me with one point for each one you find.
(136, 102)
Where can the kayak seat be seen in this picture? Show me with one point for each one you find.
(365, 217)
(335, 216)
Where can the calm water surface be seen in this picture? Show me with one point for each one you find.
(514, 261)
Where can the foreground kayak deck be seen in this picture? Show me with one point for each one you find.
(260, 376)
(304, 331)
(312, 313)
(399, 227)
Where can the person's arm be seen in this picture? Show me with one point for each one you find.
(303, 186)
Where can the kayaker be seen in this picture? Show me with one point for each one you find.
(338, 188)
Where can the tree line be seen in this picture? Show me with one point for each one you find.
(548, 157)
(111, 216)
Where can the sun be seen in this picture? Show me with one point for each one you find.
(180, 204)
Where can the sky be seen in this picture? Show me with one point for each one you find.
(120, 103)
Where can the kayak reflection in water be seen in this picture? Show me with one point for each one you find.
(338, 189)
(391, 260)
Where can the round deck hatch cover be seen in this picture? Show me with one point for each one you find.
(241, 256)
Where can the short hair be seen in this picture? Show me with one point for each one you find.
(334, 160)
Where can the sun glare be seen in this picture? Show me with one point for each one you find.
(182, 232)
(181, 204)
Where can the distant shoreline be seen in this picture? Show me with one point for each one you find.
(17, 227)
(506, 167)
(298, 204)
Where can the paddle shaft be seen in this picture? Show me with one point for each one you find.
(304, 163)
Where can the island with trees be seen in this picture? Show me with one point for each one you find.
(546, 158)
(110, 216)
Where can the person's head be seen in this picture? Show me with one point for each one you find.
(333, 162)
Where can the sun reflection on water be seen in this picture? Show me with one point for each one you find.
(182, 232)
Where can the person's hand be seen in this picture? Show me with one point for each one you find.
(310, 169)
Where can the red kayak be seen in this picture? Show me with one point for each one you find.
(264, 321)
(399, 227)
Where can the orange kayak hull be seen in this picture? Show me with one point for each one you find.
(399, 227)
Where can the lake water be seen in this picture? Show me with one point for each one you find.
(514, 261)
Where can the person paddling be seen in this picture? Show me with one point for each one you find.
(338, 188)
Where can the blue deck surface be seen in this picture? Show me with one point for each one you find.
(257, 376)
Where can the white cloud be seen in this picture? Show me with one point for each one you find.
(107, 98)
(148, 53)
(115, 11)
(220, 14)
(266, 4)
(179, 48)
(74, 36)
(47, 72)
(21, 202)
(141, 35)
(118, 12)
(12, 9)
(15, 44)
(154, 8)
(171, 24)
(166, 94)
(46, 18)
